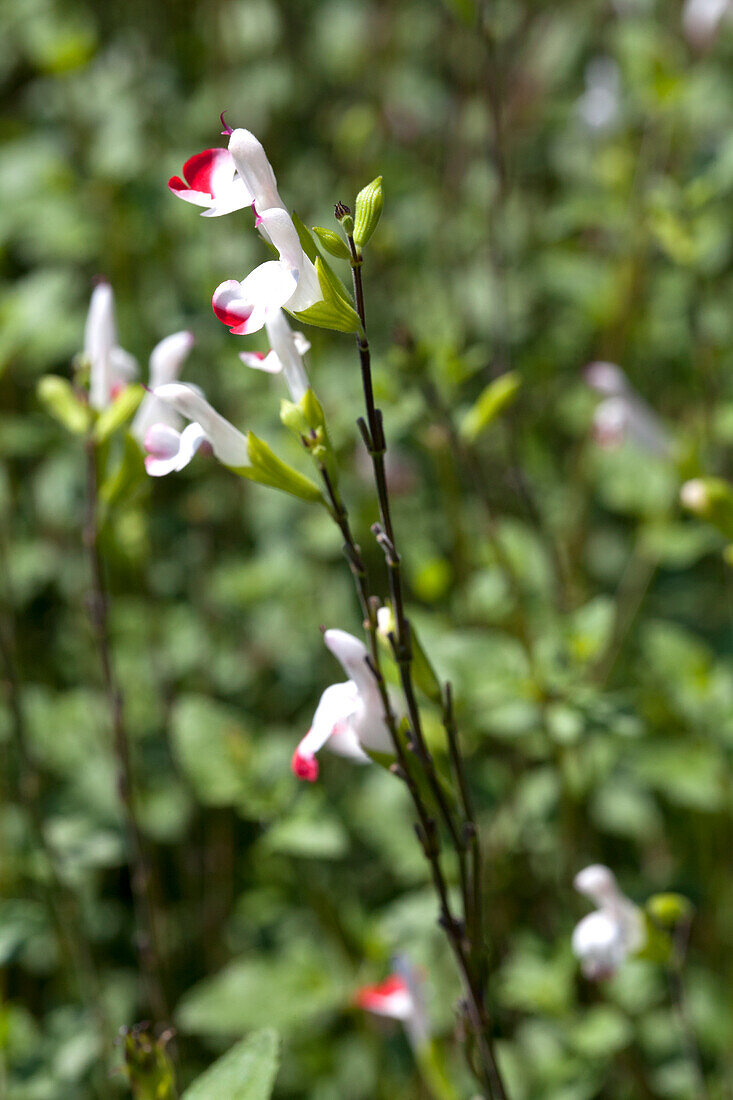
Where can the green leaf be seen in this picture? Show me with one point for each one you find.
(491, 401)
(369, 206)
(285, 989)
(60, 399)
(268, 469)
(118, 413)
(333, 242)
(246, 1072)
(335, 311)
(127, 476)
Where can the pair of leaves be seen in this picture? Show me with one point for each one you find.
(68, 407)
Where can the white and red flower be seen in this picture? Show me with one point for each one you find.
(349, 719)
(605, 938)
(291, 281)
(210, 179)
(287, 349)
(166, 361)
(399, 997)
(110, 367)
(169, 450)
(623, 416)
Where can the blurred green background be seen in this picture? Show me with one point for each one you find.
(558, 182)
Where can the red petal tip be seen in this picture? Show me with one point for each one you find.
(304, 767)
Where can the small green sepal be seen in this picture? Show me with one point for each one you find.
(63, 403)
(334, 311)
(118, 413)
(332, 242)
(268, 469)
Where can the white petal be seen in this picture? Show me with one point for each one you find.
(228, 443)
(100, 336)
(269, 363)
(599, 944)
(255, 169)
(302, 343)
(336, 706)
(597, 882)
(168, 356)
(283, 344)
(123, 366)
(352, 656)
(162, 462)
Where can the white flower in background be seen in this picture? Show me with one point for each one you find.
(110, 367)
(166, 361)
(169, 450)
(600, 104)
(350, 716)
(399, 997)
(210, 179)
(701, 20)
(623, 416)
(287, 349)
(291, 281)
(605, 938)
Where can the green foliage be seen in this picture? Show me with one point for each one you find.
(246, 1072)
(576, 603)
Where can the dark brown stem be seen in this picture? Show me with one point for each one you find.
(372, 430)
(140, 873)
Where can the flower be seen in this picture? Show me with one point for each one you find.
(211, 180)
(399, 997)
(599, 105)
(170, 450)
(604, 939)
(349, 719)
(110, 367)
(166, 360)
(291, 281)
(622, 415)
(702, 18)
(286, 355)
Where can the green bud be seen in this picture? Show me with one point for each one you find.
(332, 242)
(342, 213)
(668, 910)
(268, 469)
(291, 415)
(60, 399)
(147, 1065)
(369, 204)
(490, 403)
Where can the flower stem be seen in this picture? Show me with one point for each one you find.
(463, 936)
(140, 872)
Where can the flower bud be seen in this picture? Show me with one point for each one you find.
(342, 213)
(369, 204)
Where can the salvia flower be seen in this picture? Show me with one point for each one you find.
(349, 719)
(599, 106)
(166, 361)
(623, 416)
(169, 450)
(399, 997)
(287, 349)
(701, 20)
(290, 281)
(210, 179)
(605, 938)
(110, 367)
